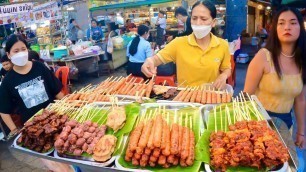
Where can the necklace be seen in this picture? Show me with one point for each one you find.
(289, 56)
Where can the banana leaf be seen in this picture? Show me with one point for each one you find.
(214, 124)
(132, 112)
(196, 120)
(214, 121)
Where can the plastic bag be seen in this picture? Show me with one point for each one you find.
(77, 49)
(110, 46)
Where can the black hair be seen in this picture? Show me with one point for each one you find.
(148, 22)
(208, 4)
(113, 26)
(142, 29)
(12, 40)
(33, 55)
(127, 20)
(180, 10)
(273, 43)
(162, 12)
(71, 20)
(4, 59)
(94, 20)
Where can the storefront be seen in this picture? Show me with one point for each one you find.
(259, 14)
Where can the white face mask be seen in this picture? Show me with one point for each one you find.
(20, 59)
(200, 31)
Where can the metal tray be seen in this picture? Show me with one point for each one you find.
(127, 98)
(29, 150)
(173, 106)
(87, 162)
(284, 168)
(229, 88)
(205, 112)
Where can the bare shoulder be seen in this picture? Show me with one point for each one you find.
(261, 56)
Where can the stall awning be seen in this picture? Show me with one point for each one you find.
(130, 4)
(295, 3)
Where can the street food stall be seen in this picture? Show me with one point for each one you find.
(85, 63)
(126, 124)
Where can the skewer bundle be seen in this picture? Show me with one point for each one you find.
(109, 87)
(155, 141)
(203, 96)
(248, 142)
(126, 86)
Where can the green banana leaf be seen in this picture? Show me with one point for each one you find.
(132, 111)
(214, 124)
(214, 121)
(196, 120)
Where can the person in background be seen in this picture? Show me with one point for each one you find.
(277, 74)
(6, 66)
(161, 24)
(112, 27)
(34, 57)
(95, 33)
(200, 57)
(129, 25)
(73, 31)
(138, 50)
(182, 15)
(148, 24)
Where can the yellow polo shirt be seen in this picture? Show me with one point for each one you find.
(195, 66)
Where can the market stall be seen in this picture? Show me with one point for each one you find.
(84, 63)
(128, 124)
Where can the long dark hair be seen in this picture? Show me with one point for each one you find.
(142, 29)
(274, 45)
(13, 39)
(208, 4)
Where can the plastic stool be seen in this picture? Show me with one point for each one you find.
(138, 79)
(159, 80)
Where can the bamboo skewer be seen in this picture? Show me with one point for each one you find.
(215, 115)
(221, 118)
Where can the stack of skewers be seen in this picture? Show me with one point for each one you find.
(106, 89)
(245, 141)
(155, 141)
(203, 96)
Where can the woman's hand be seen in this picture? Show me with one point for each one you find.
(300, 140)
(148, 68)
(13, 133)
(220, 82)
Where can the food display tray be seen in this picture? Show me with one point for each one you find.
(168, 106)
(29, 150)
(228, 87)
(291, 164)
(88, 161)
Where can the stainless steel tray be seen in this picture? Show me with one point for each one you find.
(29, 150)
(205, 112)
(88, 162)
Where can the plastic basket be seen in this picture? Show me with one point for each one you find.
(60, 53)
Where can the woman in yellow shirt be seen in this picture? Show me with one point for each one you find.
(275, 75)
(200, 57)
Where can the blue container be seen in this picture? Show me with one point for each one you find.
(60, 52)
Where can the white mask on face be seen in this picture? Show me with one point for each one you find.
(20, 59)
(200, 31)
